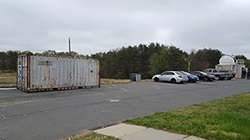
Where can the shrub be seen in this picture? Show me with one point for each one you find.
(7, 71)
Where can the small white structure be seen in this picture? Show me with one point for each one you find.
(228, 62)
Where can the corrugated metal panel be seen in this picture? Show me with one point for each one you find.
(37, 73)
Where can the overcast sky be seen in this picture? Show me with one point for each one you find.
(102, 25)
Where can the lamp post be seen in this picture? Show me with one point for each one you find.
(189, 63)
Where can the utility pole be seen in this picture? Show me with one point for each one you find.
(69, 48)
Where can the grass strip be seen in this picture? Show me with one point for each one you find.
(7, 71)
(227, 118)
(105, 81)
(8, 78)
(94, 136)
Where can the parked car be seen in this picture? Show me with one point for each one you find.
(203, 76)
(191, 78)
(230, 73)
(170, 76)
(218, 75)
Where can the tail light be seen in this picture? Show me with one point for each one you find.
(180, 76)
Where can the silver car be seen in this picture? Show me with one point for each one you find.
(170, 76)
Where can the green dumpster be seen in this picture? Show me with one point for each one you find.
(135, 77)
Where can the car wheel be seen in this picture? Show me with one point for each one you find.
(217, 77)
(173, 81)
(205, 79)
(229, 78)
(156, 79)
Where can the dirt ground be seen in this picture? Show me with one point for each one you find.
(104, 80)
(108, 81)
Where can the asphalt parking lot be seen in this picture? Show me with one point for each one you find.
(57, 114)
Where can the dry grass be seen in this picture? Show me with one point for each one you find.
(108, 81)
(93, 136)
(112, 81)
(8, 78)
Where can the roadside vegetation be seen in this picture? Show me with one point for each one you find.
(105, 81)
(7, 71)
(8, 77)
(93, 136)
(226, 118)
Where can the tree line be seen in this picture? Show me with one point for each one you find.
(146, 60)
(8, 60)
(152, 59)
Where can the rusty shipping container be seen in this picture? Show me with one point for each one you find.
(39, 73)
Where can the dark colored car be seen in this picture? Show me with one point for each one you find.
(203, 76)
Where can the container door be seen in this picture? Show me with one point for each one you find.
(22, 72)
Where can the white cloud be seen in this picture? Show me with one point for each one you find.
(100, 26)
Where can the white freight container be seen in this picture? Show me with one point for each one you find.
(39, 73)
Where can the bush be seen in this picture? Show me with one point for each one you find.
(7, 71)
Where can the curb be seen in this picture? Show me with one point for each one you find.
(8, 86)
(125, 131)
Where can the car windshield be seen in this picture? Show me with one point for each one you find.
(179, 73)
(203, 73)
(182, 72)
(186, 73)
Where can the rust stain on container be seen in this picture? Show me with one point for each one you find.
(40, 73)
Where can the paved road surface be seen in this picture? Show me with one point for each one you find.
(57, 114)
